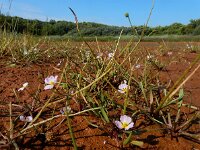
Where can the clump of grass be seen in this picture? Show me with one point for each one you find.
(192, 48)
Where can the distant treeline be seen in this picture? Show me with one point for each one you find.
(52, 27)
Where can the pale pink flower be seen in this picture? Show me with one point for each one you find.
(149, 57)
(64, 109)
(137, 66)
(99, 55)
(110, 55)
(50, 82)
(169, 53)
(124, 123)
(123, 87)
(26, 118)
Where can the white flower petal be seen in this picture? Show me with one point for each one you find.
(137, 66)
(99, 55)
(62, 111)
(25, 84)
(55, 79)
(68, 109)
(123, 87)
(51, 78)
(21, 89)
(118, 124)
(46, 80)
(22, 118)
(50, 81)
(48, 87)
(110, 55)
(129, 126)
(126, 119)
(125, 82)
(123, 118)
(121, 91)
(169, 53)
(29, 118)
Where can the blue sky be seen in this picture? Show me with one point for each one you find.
(109, 12)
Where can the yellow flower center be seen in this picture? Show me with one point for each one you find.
(124, 125)
(124, 90)
(51, 83)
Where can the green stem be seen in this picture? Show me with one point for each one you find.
(71, 130)
(178, 82)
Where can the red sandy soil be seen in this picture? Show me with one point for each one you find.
(88, 137)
